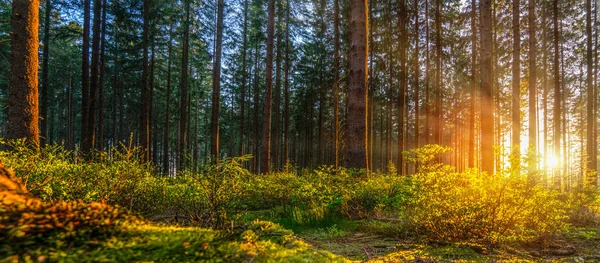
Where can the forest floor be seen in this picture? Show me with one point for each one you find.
(373, 241)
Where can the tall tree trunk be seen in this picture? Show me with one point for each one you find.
(100, 144)
(94, 79)
(545, 81)
(532, 85)
(356, 144)
(256, 141)
(474, 79)
(557, 93)
(265, 162)
(277, 92)
(591, 140)
(85, 76)
(216, 87)
(244, 78)
(286, 84)
(403, 79)
(336, 80)
(167, 124)
(516, 87)
(45, 88)
(145, 105)
(427, 78)
(23, 94)
(184, 90)
(487, 117)
(417, 73)
(439, 122)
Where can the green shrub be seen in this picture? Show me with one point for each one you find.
(448, 205)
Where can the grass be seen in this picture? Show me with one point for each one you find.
(259, 242)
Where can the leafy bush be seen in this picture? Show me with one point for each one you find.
(448, 205)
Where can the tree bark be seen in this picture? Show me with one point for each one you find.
(85, 76)
(487, 108)
(23, 93)
(557, 94)
(184, 90)
(516, 86)
(286, 84)
(166, 165)
(100, 132)
(591, 95)
(356, 144)
(45, 88)
(265, 163)
(336, 80)
(244, 78)
(216, 86)
(474, 79)
(403, 80)
(532, 84)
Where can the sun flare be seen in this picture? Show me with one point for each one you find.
(552, 161)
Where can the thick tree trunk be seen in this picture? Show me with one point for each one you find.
(216, 87)
(265, 162)
(487, 108)
(23, 93)
(356, 144)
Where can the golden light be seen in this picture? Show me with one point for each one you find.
(552, 161)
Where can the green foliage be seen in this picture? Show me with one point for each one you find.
(54, 173)
(448, 205)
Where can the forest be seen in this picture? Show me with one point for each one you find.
(299, 131)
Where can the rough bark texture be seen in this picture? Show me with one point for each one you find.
(216, 87)
(356, 141)
(265, 160)
(487, 117)
(23, 92)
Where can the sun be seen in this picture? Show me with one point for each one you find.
(552, 161)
